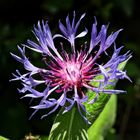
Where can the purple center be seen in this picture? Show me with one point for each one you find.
(69, 72)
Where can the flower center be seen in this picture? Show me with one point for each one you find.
(72, 72)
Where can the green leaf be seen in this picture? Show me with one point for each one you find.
(105, 120)
(69, 126)
(96, 108)
(2, 138)
(103, 112)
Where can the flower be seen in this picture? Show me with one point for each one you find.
(67, 74)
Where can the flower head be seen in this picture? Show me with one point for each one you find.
(67, 74)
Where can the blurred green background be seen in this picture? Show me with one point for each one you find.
(16, 21)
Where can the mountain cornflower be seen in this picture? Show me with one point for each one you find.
(69, 74)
